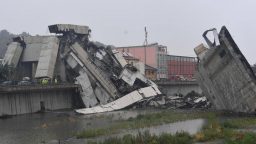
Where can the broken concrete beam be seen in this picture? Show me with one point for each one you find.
(13, 53)
(33, 46)
(86, 93)
(200, 51)
(47, 59)
(225, 76)
(94, 71)
(119, 58)
(63, 28)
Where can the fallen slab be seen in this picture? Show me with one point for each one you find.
(124, 101)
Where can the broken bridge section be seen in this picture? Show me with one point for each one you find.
(224, 74)
(105, 79)
(107, 82)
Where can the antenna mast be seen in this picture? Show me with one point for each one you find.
(145, 45)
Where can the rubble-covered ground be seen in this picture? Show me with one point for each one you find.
(178, 101)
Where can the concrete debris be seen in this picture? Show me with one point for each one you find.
(13, 54)
(224, 74)
(63, 28)
(105, 78)
(191, 100)
(122, 102)
(47, 58)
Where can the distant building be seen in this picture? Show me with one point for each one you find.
(153, 55)
(134, 61)
(181, 67)
(150, 72)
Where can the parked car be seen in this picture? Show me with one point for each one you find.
(24, 82)
(6, 83)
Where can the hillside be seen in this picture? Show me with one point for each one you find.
(5, 39)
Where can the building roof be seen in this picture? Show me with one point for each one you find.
(147, 67)
(129, 56)
(181, 56)
(153, 44)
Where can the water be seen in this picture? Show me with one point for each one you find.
(43, 127)
(189, 126)
(53, 126)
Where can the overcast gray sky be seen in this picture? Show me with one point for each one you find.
(178, 24)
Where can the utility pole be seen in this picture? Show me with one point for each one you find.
(145, 45)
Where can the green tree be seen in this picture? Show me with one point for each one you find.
(6, 72)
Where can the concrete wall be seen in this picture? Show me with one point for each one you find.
(172, 88)
(21, 102)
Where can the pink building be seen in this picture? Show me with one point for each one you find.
(153, 55)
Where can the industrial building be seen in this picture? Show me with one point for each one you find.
(167, 66)
(150, 72)
(130, 59)
(154, 55)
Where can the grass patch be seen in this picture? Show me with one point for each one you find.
(146, 138)
(240, 122)
(91, 133)
(213, 130)
(146, 120)
(227, 131)
(241, 138)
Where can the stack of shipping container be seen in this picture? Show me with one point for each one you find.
(181, 67)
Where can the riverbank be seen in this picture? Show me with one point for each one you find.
(196, 126)
(219, 127)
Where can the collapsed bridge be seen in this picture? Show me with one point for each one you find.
(106, 81)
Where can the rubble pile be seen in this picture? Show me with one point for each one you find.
(191, 100)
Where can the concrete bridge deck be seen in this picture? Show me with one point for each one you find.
(165, 82)
(178, 87)
(36, 87)
(21, 99)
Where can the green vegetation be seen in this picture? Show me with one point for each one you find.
(146, 138)
(145, 120)
(240, 122)
(6, 72)
(5, 39)
(228, 131)
(92, 133)
(212, 131)
(241, 138)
